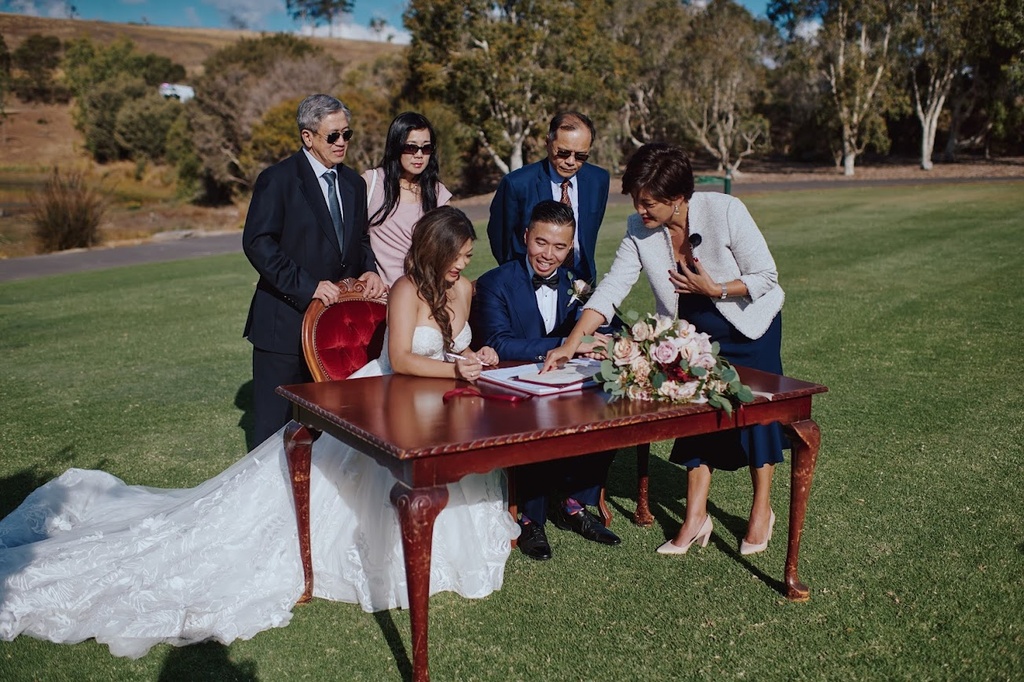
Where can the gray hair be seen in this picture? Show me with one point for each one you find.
(315, 108)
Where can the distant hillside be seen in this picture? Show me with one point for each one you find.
(186, 46)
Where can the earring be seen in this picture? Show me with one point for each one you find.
(676, 212)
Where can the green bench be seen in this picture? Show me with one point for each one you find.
(710, 179)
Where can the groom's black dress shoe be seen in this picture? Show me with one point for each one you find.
(586, 524)
(533, 542)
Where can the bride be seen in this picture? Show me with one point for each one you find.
(86, 556)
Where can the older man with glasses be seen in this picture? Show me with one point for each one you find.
(564, 176)
(305, 230)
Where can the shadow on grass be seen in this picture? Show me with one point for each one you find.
(246, 422)
(394, 640)
(666, 492)
(207, 661)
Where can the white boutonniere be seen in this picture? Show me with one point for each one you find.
(579, 290)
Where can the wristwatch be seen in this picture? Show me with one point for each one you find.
(725, 293)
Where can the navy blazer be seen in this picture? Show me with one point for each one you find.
(290, 239)
(505, 316)
(521, 190)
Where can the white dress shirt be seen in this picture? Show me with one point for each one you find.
(319, 169)
(547, 301)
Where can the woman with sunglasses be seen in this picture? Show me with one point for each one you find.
(401, 190)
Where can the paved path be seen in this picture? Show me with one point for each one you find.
(81, 260)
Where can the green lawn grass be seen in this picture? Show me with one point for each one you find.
(905, 302)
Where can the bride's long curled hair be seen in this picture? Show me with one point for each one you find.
(437, 239)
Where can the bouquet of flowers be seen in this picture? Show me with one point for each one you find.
(658, 358)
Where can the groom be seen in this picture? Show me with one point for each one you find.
(523, 309)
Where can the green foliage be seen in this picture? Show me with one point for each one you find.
(273, 137)
(66, 213)
(182, 155)
(142, 125)
(117, 107)
(317, 11)
(240, 84)
(34, 63)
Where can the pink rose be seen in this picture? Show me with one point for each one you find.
(641, 368)
(635, 392)
(625, 351)
(642, 331)
(665, 352)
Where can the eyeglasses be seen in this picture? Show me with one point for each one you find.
(580, 156)
(333, 137)
(411, 149)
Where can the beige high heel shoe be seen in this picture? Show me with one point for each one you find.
(703, 535)
(747, 548)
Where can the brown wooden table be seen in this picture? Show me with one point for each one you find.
(404, 424)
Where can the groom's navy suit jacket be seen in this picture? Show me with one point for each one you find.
(290, 239)
(521, 190)
(506, 318)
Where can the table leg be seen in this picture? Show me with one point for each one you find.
(298, 447)
(805, 437)
(417, 510)
(643, 516)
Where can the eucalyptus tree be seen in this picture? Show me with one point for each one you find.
(721, 67)
(935, 47)
(853, 53)
(493, 63)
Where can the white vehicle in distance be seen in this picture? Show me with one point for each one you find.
(183, 93)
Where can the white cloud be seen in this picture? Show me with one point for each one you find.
(192, 17)
(54, 9)
(249, 13)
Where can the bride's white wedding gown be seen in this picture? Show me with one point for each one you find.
(87, 556)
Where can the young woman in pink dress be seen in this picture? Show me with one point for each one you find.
(401, 190)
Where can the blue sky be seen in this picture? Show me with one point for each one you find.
(258, 15)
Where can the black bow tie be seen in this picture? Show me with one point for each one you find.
(550, 282)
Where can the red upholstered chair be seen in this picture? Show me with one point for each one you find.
(339, 339)
(336, 341)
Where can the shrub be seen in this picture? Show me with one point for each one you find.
(66, 213)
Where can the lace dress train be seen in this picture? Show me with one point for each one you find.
(86, 556)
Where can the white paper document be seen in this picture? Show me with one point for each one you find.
(575, 375)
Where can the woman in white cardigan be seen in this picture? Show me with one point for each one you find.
(706, 262)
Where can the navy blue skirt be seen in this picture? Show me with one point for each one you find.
(751, 446)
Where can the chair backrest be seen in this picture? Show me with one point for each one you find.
(339, 339)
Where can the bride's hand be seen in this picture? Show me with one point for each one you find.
(468, 368)
(488, 356)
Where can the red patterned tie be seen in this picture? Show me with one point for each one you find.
(565, 193)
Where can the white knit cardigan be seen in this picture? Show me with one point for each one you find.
(731, 248)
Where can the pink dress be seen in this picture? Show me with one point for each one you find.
(391, 239)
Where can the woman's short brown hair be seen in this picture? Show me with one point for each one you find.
(662, 170)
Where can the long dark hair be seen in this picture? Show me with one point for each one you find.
(392, 165)
(437, 238)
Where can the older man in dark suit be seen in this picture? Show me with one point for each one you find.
(563, 176)
(523, 309)
(305, 230)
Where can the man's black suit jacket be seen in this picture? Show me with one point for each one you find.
(290, 239)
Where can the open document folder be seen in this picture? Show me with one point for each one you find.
(576, 374)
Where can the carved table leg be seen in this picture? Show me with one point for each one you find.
(805, 437)
(643, 516)
(417, 510)
(298, 446)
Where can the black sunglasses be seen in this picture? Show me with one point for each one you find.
(580, 156)
(333, 137)
(410, 148)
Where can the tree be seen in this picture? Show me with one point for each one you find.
(935, 46)
(852, 53)
(317, 11)
(35, 62)
(491, 62)
(106, 78)
(721, 66)
(5, 76)
(241, 83)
